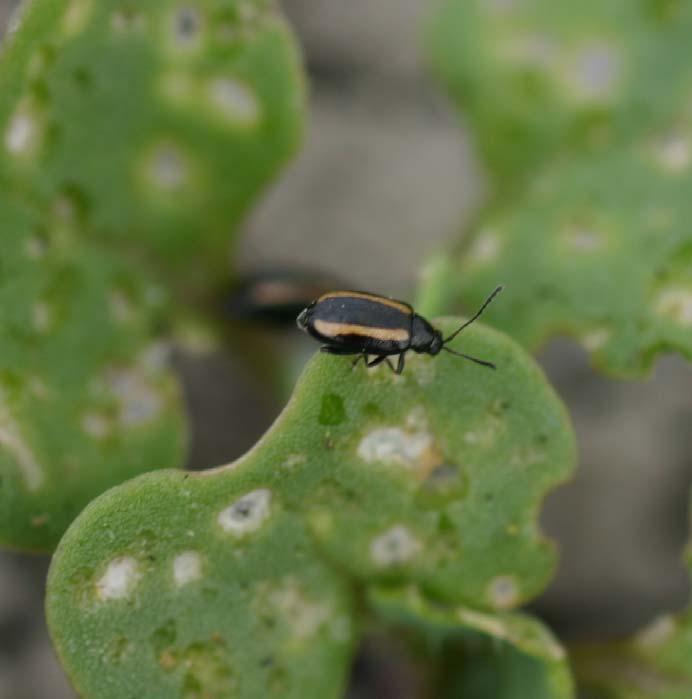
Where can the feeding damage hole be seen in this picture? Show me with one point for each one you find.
(234, 100)
(246, 514)
(503, 592)
(287, 600)
(13, 441)
(186, 28)
(675, 303)
(23, 133)
(412, 447)
(187, 567)
(167, 169)
(119, 580)
(397, 545)
(138, 401)
(673, 152)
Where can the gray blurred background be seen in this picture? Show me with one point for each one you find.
(386, 176)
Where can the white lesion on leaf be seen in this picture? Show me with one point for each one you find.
(234, 100)
(24, 131)
(119, 579)
(247, 514)
(393, 547)
(675, 303)
(187, 567)
(14, 442)
(411, 447)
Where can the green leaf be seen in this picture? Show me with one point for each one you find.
(86, 396)
(133, 137)
(434, 477)
(600, 250)
(160, 121)
(537, 77)
(593, 240)
(504, 655)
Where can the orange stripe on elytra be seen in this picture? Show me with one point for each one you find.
(328, 329)
(399, 305)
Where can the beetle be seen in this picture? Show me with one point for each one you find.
(361, 323)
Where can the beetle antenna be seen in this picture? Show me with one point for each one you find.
(486, 303)
(482, 362)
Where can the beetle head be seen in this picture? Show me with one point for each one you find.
(436, 344)
(302, 319)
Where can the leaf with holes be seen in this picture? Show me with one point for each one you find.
(86, 396)
(595, 242)
(600, 250)
(434, 477)
(538, 77)
(159, 122)
(504, 655)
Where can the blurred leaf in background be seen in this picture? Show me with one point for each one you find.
(133, 140)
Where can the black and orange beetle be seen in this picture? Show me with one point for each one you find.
(356, 322)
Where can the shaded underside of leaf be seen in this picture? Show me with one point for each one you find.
(506, 655)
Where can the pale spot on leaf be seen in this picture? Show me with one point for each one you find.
(234, 100)
(138, 400)
(41, 317)
(167, 168)
(246, 514)
(76, 17)
(119, 580)
(595, 339)
(288, 600)
(593, 72)
(396, 546)
(673, 152)
(96, 425)
(13, 441)
(23, 133)
(503, 592)
(186, 28)
(187, 567)
(583, 239)
(675, 303)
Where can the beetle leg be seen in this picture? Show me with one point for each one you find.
(364, 357)
(377, 360)
(400, 364)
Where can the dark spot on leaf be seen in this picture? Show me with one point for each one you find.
(372, 410)
(187, 23)
(83, 79)
(116, 649)
(164, 637)
(332, 411)
(445, 483)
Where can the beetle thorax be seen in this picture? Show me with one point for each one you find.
(424, 338)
